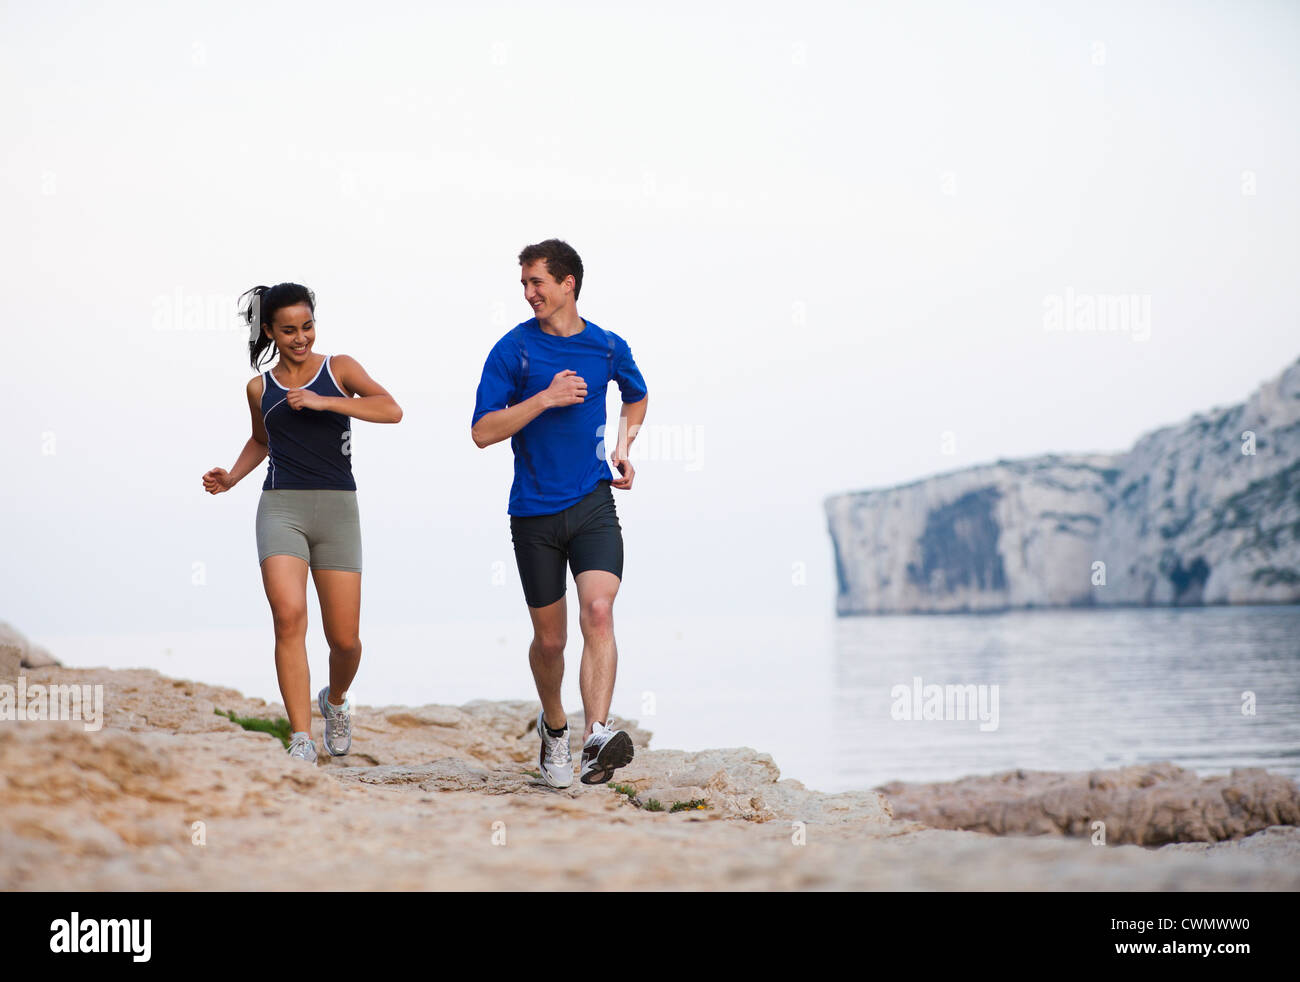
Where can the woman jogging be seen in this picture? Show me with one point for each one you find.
(302, 410)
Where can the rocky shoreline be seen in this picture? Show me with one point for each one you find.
(169, 795)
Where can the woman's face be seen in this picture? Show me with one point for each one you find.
(293, 330)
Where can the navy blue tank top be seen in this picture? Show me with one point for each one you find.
(309, 449)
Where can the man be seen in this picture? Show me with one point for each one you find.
(544, 386)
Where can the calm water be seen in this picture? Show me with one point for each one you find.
(1075, 689)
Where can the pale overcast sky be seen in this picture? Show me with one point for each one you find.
(829, 232)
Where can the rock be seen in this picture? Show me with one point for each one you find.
(38, 657)
(447, 774)
(743, 783)
(170, 796)
(1278, 844)
(13, 642)
(13, 648)
(1184, 517)
(10, 665)
(1146, 804)
(669, 796)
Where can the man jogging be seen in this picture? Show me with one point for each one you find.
(544, 386)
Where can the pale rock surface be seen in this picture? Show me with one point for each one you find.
(14, 644)
(1144, 804)
(170, 796)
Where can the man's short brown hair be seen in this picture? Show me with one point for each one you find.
(561, 260)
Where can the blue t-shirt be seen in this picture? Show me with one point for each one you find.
(560, 455)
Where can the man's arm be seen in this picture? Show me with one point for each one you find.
(568, 388)
(629, 422)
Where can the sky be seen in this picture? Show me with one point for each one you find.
(850, 246)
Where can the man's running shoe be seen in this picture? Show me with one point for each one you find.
(301, 748)
(555, 760)
(603, 752)
(338, 723)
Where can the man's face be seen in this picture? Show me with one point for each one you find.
(543, 294)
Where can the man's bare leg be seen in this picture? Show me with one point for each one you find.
(546, 658)
(596, 591)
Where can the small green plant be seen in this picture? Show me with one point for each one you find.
(536, 774)
(626, 789)
(278, 727)
(693, 805)
(653, 805)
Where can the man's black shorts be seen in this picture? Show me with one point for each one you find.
(586, 535)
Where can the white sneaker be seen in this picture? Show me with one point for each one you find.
(302, 748)
(555, 761)
(603, 752)
(338, 723)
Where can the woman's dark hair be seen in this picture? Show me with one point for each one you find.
(260, 307)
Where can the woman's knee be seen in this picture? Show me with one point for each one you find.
(344, 645)
(290, 620)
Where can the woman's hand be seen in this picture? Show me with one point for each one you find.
(304, 399)
(217, 480)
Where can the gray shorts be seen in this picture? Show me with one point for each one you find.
(322, 528)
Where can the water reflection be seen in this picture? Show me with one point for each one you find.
(1077, 689)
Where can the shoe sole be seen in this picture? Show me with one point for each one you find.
(320, 702)
(617, 752)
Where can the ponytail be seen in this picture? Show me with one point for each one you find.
(258, 311)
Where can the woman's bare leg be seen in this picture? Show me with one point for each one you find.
(285, 580)
(340, 610)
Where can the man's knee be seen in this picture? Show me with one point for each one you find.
(598, 615)
(550, 643)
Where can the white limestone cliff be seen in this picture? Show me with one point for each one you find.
(1187, 516)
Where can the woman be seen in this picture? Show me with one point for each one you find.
(302, 410)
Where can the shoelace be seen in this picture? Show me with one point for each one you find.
(602, 732)
(299, 745)
(342, 720)
(559, 748)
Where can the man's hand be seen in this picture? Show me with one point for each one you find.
(568, 388)
(217, 480)
(303, 399)
(625, 468)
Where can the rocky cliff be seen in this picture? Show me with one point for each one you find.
(1203, 512)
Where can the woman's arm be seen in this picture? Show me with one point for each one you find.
(219, 479)
(368, 399)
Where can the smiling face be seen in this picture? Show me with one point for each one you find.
(293, 330)
(543, 293)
